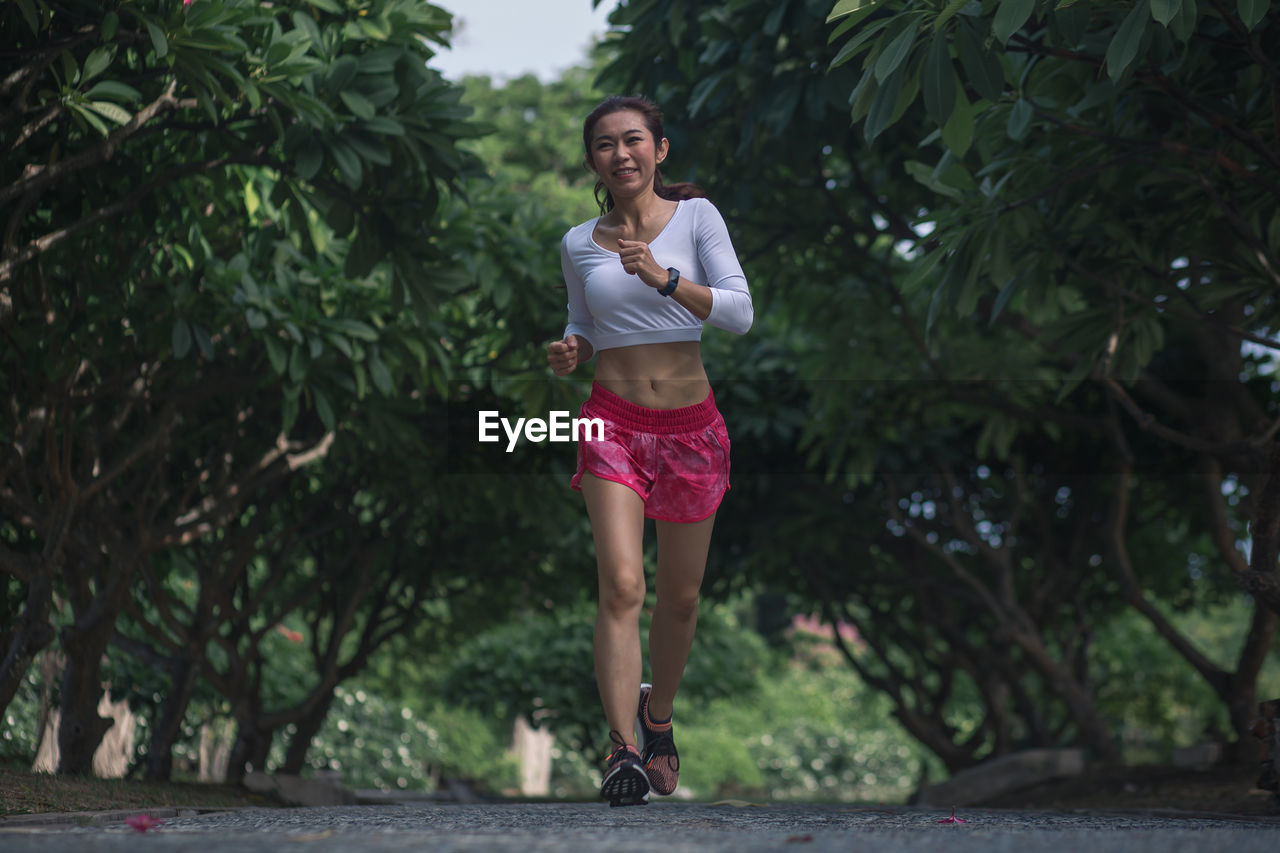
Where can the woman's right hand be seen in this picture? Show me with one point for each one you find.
(563, 355)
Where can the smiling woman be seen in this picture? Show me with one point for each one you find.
(643, 277)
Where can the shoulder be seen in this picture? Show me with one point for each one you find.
(573, 238)
(703, 211)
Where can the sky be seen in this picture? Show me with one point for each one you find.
(507, 38)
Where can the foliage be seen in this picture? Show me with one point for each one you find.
(811, 732)
(540, 665)
(289, 264)
(374, 744)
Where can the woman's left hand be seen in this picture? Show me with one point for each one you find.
(638, 260)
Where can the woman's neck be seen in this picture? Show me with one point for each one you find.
(633, 213)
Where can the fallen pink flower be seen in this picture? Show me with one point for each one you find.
(143, 822)
(953, 818)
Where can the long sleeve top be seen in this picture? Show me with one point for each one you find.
(610, 308)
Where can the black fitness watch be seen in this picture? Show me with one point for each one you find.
(673, 278)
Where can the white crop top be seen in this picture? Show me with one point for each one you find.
(613, 308)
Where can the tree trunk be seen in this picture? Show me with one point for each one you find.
(185, 675)
(1262, 581)
(85, 642)
(28, 637)
(81, 728)
(307, 727)
(1241, 687)
(252, 747)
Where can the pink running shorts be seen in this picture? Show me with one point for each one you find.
(676, 460)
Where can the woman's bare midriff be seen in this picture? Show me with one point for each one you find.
(656, 376)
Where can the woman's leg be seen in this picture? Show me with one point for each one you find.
(617, 526)
(682, 560)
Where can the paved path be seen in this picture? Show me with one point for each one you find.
(664, 827)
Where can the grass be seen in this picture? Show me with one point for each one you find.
(25, 792)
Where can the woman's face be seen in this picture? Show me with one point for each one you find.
(624, 153)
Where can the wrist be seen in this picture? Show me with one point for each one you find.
(672, 280)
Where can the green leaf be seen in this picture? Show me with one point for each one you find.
(113, 89)
(384, 125)
(288, 412)
(203, 341)
(28, 10)
(88, 116)
(308, 159)
(863, 96)
(923, 173)
(324, 409)
(276, 355)
(1253, 11)
(1019, 119)
(181, 338)
(298, 364)
(1010, 17)
(948, 13)
(96, 62)
(370, 148)
(381, 376)
(981, 67)
(355, 328)
(1006, 293)
(340, 343)
(115, 112)
(358, 104)
(702, 91)
(158, 40)
(1185, 23)
(922, 269)
(883, 106)
(348, 162)
(330, 6)
(307, 24)
(958, 131)
(848, 7)
(893, 55)
(110, 25)
(341, 73)
(365, 252)
(938, 80)
(1072, 20)
(1126, 42)
(855, 45)
(1164, 11)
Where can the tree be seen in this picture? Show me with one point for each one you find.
(1150, 112)
(189, 190)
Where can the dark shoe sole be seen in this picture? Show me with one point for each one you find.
(627, 785)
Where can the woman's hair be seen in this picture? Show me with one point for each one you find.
(653, 122)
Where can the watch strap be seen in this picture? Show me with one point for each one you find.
(673, 278)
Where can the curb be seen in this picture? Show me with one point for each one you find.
(103, 818)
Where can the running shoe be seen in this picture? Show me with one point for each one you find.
(657, 748)
(625, 781)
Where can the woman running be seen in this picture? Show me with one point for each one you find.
(642, 278)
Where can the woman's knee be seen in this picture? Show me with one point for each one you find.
(622, 595)
(681, 605)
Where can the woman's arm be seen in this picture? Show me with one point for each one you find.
(576, 347)
(731, 307)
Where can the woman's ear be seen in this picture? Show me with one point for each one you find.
(663, 147)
